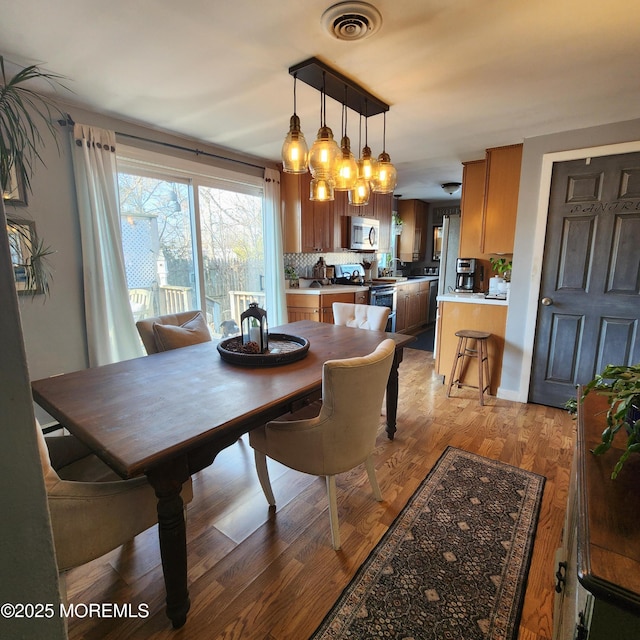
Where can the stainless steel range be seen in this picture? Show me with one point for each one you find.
(385, 295)
(380, 295)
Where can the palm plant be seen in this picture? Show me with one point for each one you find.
(23, 111)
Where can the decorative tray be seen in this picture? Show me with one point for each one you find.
(283, 349)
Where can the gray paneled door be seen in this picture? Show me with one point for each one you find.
(589, 304)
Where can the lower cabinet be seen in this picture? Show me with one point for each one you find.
(597, 566)
(480, 316)
(318, 306)
(412, 305)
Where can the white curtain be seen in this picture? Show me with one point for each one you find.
(273, 250)
(111, 332)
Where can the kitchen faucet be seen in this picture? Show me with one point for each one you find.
(391, 264)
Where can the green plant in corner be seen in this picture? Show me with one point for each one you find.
(23, 111)
(502, 267)
(621, 385)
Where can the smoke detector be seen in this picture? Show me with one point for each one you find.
(351, 20)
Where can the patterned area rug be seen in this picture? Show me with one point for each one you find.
(453, 565)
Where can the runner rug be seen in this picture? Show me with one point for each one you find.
(454, 563)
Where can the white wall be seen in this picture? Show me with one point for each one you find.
(538, 155)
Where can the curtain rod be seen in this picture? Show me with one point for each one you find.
(69, 122)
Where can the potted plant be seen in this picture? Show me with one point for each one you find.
(22, 111)
(621, 385)
(397, 223)
(290, 275)
(502, 267)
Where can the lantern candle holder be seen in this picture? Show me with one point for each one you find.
(255, 328)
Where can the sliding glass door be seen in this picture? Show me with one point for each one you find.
(191, 241)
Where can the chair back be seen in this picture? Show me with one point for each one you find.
(352, 394)
(173, 331)
(362, 316)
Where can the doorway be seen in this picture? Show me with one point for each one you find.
(589, 300)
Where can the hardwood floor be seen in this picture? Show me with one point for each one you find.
(259, 573)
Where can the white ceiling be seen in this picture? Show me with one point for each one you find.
(459, 75)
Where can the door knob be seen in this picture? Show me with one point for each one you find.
(547, 302)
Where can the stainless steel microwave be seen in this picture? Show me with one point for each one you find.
(364, 233)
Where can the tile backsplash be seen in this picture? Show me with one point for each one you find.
(303, 262)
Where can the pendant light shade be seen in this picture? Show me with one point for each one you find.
(386, 175)
(295, 152)
(347, 172)
(359, 195)
(324, 154)
(366, 164)
(321, 189)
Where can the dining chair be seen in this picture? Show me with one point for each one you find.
(362, 316)
(173, 331)
(340, 437)
(93, 511)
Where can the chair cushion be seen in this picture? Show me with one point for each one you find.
(193, 331)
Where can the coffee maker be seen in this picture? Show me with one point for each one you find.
(465, 274)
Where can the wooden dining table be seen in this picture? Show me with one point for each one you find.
(169, 414)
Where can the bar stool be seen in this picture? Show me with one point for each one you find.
(464, 351)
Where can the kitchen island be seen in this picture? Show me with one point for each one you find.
(458, 311)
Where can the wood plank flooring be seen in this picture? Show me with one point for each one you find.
(256, 573)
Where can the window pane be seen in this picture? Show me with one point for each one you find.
(157, 244)
(232, 254)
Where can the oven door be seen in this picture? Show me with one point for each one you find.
(385, 297)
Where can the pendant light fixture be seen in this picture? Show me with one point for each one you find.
(295, 152)
(359, 195)
(347, 168)
(386, 176)
(323, 158)
(331, 166)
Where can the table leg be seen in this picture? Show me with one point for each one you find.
(392, 394)
(167, 482)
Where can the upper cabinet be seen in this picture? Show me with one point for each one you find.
(307, 226)
(471, 206)
(489, 202)
(322, 226)
(501, 199)
(413, 241)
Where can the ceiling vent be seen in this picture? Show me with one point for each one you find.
(351, 20)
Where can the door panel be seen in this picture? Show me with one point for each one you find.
(590, 289)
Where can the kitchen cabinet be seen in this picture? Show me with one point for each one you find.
(322, 226)
(412, 305)
(413, 240)
(317, 304)
(479, 316)
(307, 226)
(501, 199)
(471, 206)
(489, 205)
(598, 564)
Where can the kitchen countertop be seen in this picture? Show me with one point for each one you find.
(473, 298)
(331, 288)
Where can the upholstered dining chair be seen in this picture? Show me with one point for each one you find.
(92, 510)
(362, 316)
(340, 437)
(173, 331)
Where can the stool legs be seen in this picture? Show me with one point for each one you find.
(484, 375)
(459, 354)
